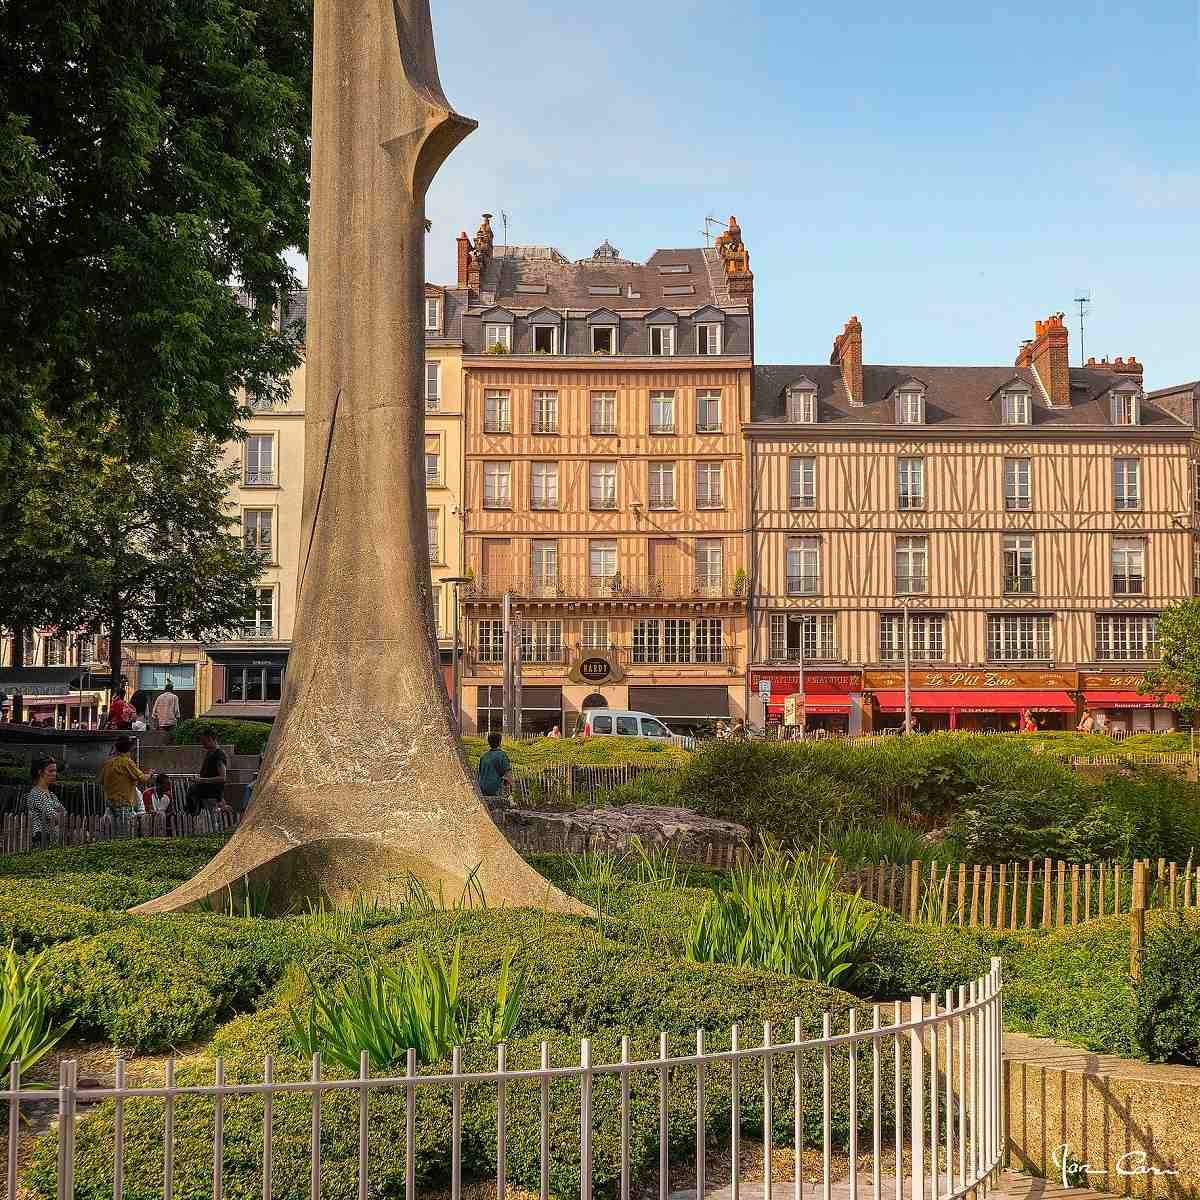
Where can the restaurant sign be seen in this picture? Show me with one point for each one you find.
(595, 667)
(816, 683)
(962, 680)
(1130, 682)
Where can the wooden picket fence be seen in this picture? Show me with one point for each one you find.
(1032, 895)
(83, 829)
(570, 786)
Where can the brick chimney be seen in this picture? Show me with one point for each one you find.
(464, 258)
(1047, 355)
(735, 258)
(1122, 366)
(847, 354)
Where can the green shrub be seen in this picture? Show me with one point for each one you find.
(27, 1032)
(246, 737)
(29, 923)
(883, 839)
(914, 960)
(1167, 1021)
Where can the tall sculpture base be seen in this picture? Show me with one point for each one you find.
(364, 784)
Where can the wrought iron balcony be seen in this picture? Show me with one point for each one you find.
(804, 585)
(699, 585)
(911, 585)
(1021, 583)
(1128, 585)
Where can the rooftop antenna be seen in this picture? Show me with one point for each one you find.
(709, 222)
(504, 222)
(1083, 301)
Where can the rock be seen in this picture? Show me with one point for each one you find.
(681, 830)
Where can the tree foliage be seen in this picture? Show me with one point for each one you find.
(150, 152)
(1178, 669)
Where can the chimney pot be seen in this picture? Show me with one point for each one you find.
(1047, 355)
(847, 353)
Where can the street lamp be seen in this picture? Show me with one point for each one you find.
(455, 580)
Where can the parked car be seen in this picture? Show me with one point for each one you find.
(620, 722)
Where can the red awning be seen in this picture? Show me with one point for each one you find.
(816, 705)
(1127, 700)
(977, 701)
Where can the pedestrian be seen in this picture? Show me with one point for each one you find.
(166, 708)
(495, 770)
(156, 799)
(119, 777)
(555, 732)
(1087, 722)
(1028, 724)
(738, 731)
(120, 711)
(722, 731)
(46, 813)
(208, 791)
(1101, 723)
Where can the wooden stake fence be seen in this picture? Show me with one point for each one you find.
(1045, 894)
(79, 830)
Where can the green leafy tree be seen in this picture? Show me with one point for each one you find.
(151, 152)
(1178, 669)
(146, 549)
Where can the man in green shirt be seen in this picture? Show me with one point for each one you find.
(494, 769)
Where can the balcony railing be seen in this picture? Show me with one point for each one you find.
(431, 403)
(1017, 503)
(803, 585)
(827, 652)
(253, 631)
(1020, 584)
(603, 430)
(1128, 503)
(1128, 585)
(603, 503)
(802, 500)
(489, 659)
(699, 585)
(911, 585)
(909, 501)
(259, 478)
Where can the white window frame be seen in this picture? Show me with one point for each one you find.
(710, 485)
(553, 331)
(489, 640)
(803, 565)
(1018, 477)
(543, 417)
(602, 486)
(662, 492)
(252, 532)
(802, 483)
(709, 338)
(433, 525)
(433, 314)
(1128, 566)
(911, 556)
(926, 637)
(603, 563)
(802, 406)
(433, 466)
(543, 486)
(543, 566)
(1126, 408)
(541, 640)
(497, 335)
(1126, 637)
(1016, 408)
(497, 411)
(910, 407)
(497, 485)
(1018, 564)
(256, 627)
(611, 330)
(706, 397)
(593, 633)
(605, 400)
(259, 475)
(1127, 484)
(816, 642)
(663, 401)
(433, 384)
(910, 483)
(1020, 637)
(664, 336)
(710, 566)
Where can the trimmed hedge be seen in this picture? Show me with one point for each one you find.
(1167, 1016)
(30, 923)
(246, 737)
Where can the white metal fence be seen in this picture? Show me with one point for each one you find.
(917, 1098)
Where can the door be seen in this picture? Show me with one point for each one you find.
(497, 566)
(666, 567)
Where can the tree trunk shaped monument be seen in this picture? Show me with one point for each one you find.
(364, 784)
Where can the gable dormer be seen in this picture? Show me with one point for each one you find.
(1125, 399)
(800, 399)
(910, 402)
(1015, 402)
(662, 328)
(546, 325)
(497, 330)
(603, 331)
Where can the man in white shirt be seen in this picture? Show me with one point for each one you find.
(166, 708)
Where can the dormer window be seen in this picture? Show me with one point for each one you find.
(708, 339)
(604, 339)
(1126, 407)
(1016, 407)
(802, 403)
(662, 340)
(433, 315)
(545, 339)
(497, 339)
(910, 407)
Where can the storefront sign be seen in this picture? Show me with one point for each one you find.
(1110, 683)
(595, 670)
(824, 683)
(596, 667)
(999, 680)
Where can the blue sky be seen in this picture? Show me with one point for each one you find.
(950, 172)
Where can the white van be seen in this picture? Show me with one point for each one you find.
(620, 722)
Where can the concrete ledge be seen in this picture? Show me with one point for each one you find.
(1135, 1124)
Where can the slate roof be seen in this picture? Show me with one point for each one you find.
(955, 397)
(514, 273)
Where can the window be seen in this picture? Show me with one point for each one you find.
(545, 339)
(434, 520)
(1125, 408)
(802, 406)
(433, 386)
(910, 483)
(662, 412)
(678, 640)
(497, 338)
(1017, 562)
(489, 641)
(604, 413)
(433, 460)
(627, 726)
(496, 417)
(1017, 494)
(1019, 639)
(433, 315)
(260, 620)
(497, 485)
(435, 599)
(256, 529)
(710, 566)
(1016, 408)
(926, 637)
(1126, 637)
(662, 340)
(802, 483)
(544, 485)
(1128, 566)
(708, 339)
(1126, 484)
(604, 339)
(708, 640)
(708, 412)
(260, 460)
(709, 489)
(796, 637)
(29, 648)
(545, 412)
(910, 408)
(602, 485)
(544, 560)
(912, 565)
(662, 485)
(602, 568)
(804, 566)
(253, 683)
(593, 634)
(56, 650)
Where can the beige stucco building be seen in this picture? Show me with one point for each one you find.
(1032, 519)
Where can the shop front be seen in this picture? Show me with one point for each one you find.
(153, 678)
(1125, 709)
(54, 697)
(976, 701)
(247, 684)
(830, 700)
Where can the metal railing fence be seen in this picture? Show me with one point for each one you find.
(920, 1093)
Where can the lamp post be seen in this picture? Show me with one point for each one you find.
(907, 674)
(456, 664)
